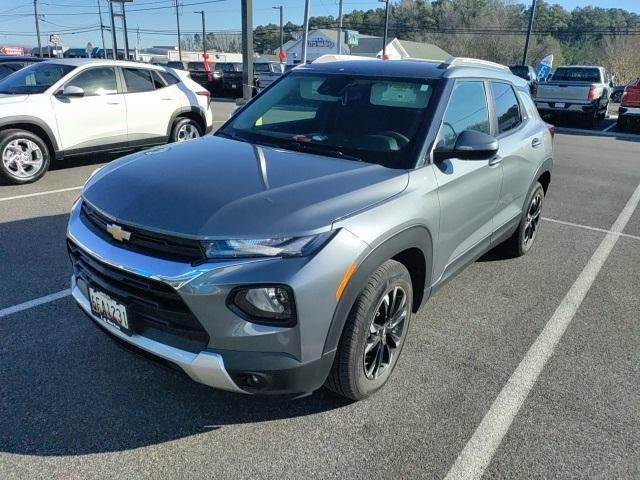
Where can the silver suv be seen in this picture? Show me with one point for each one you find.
(290, 250)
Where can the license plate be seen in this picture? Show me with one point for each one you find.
(108, 309)
(560, 105)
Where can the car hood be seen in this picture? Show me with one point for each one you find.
(11, 98)
(215, 187)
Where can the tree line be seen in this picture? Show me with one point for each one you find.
(488, 29)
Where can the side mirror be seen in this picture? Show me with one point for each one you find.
(470, 145)
(72, 91)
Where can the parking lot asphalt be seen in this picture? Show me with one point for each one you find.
(74, 405)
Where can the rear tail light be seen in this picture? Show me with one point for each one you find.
(592, 93)
(534, 90)
(204, 93)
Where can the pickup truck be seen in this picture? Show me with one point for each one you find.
(629, 112)
(578, 90)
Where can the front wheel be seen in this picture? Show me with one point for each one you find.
(374, 333)
(24, 156)
(522, 239)
(185, 129)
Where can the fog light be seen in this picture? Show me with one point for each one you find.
(272, 305)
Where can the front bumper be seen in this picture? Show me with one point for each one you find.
(285, 360)
(204, 367)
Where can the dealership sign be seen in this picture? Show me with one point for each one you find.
(11, 51)
(320, 43)
(55, 39)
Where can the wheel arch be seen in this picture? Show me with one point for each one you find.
(194, 113)
(413, 247)
(35, 126)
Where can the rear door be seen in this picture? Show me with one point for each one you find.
(468, 190)
(523, 146)
(98, 119)
(150, 105)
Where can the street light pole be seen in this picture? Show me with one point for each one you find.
(281, 29)
(526, 43)
(126, 35)
(178, 23)
(340, 28)
(204, 35)
(35, 10)
(247, 48)
(386, 30)
(104, 47)
(114, 42)
(305, 33)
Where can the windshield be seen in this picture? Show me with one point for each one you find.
(231, 67)
(576, 75)
(196, 65)
(34, 79)
(376, 120)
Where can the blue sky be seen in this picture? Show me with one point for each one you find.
(62, 16)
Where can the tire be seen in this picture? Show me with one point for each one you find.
(185, 129)
(356, 374)
(524, 237)
(24, 156)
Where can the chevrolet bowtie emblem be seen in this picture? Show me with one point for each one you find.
(118, 233)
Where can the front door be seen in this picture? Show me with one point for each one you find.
(96, 120)
(468, 190)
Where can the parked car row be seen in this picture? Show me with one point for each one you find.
(59, 108)
(629, 111)
(225, 78)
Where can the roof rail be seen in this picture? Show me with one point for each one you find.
(331, 57)
(472, 62)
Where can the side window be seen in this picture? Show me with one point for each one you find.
(138, 80)
(96, 81)
(467, 110)
(168, 78)
(506, 106)
(158, 82)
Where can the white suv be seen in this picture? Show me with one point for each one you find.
(60, 108)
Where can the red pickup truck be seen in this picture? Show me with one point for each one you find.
(629, 112)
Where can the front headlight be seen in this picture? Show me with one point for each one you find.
(265, 247)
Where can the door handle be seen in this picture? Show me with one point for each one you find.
(497, 160)
(536, 142)
(166, 98)
(113, 103)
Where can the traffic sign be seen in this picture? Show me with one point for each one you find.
(54, 38)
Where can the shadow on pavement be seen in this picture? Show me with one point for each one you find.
(68, 389)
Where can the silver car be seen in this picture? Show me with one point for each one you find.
(291, 249)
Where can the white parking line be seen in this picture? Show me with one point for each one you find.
(479, 450)
(38, 194)
(587, 227)
(35, 302)
(609, 127)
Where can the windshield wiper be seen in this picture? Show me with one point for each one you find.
(233, 136)
(315, 148)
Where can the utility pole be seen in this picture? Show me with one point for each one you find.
(178, 23)
(281, 29)
(104, 46)
(305, 33)
(526, 43)
(35, 10)
(126, 35)
(114, 42)
(340, 28)
(386, 30)
(204, 35)
(247, 49)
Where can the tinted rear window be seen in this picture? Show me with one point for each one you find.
(576, 75)
(520, 71)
